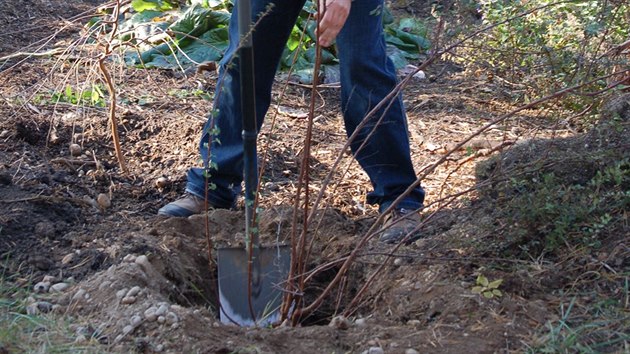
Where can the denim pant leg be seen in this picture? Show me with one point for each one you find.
(367, 76)
(225, 173)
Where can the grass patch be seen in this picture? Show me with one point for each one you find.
(601, 327)
(21, 332)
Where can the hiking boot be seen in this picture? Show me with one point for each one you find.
(399, 224)
(186, 206)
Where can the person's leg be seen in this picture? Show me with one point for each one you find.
(275, 19)
(367, 76)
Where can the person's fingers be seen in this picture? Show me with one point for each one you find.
(333, 20)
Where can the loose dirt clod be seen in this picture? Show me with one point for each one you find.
(103, 201)
(75, 149)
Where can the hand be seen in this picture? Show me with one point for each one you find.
(332, 20)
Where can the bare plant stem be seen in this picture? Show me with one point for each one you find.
(112, 90)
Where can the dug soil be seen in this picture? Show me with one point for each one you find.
(141, 282)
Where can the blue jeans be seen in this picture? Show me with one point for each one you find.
(367, 76)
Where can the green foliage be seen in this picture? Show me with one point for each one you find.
(21, 332)
(92, 96)
(197, 32)
(486, 288)
(157, 5)
(604, 327)
(551, 213)
(551, 48)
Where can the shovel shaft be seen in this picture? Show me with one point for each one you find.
(250, 133)
(248, 112)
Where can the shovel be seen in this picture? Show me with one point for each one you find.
(250, 278)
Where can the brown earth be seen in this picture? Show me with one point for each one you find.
(52, 225)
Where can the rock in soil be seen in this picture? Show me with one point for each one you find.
(59, 287)
(374, 350)
(41, 287)
(340, 322)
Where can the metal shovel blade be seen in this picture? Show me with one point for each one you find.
(266, 293)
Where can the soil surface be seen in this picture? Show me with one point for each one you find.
(69, 215)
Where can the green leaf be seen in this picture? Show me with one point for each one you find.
(495, 284)
(487, 295)
(397, 56)
(481, 280)
(197, 20)
(143, 5)
(497, 292)
(327, 57)
(68, 93)
(477, 289)
(412, 25)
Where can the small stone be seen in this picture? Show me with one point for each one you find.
(340, 322)
(80, 339)
(41, 287)
(129, 258)
(159, 348)
(133, 291)
(49, 278)
(128, 300)
(75, 149)
(171, 318)
(161, 319)
(161, 182)
(375, 350)
(103, 201)
(411, 351)
(4, 134)
(161, 311)
(143, 261)
(79, 295)
(69, 258)
(59, 287)
(121, 293)
(414, 323)
(118, 338)
(149, 314)
(398, 262)
(127, 329)
(136, 320)
(361, 322)
(44, 306)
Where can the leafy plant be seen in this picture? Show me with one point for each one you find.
(92, 96)
(560, 44)
(559, 211)
(169, 37)
(486, 288)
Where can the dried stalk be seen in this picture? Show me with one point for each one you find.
(111, 89)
